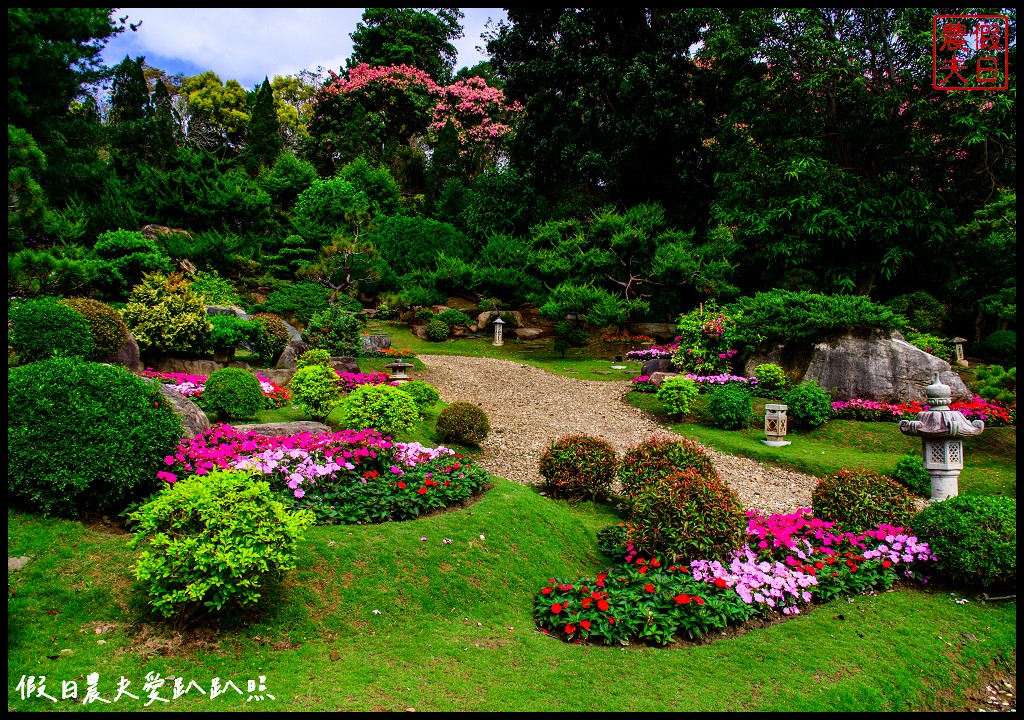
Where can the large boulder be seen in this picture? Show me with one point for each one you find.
(238, 312)
(284, 428)
(658, 331)
(658, 365)
(344, 365)
(376, 343)
(484, 319)
(128, 355)
(872, 365)
(193, 419)
(290, 354)
(529, 333)
(281, 376)
(193, 366)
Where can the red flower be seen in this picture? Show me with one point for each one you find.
(446, 483)
(556, 608)
(720, 582)
(457, 466)
(682, 568)
(682, 599)
(671, 568)
(587, 602)
(585, 624)
(649, 588)
(611, 621)
(700, 600)
(570, 629)
(545, 591)
(422, 491)
(600, 579)
(643, 570)
(886, 564)
(602, 605)
(401, 486)
(641, 561)
(853, 568)
(655, 563)
(819, 564)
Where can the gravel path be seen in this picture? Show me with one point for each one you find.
(528, 408)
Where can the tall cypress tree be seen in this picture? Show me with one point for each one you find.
(129, 110)
(166, 131)
(262, 137)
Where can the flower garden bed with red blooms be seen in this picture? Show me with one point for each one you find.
(192, 386)
(789, 561)
(346, 477)
(993, 414)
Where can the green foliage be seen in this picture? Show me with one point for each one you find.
(452, 318)
(262, 136)
(299, 301)
(329, 207)
(922, 311)
(313, 357)
(808, 405)
(411, 243)
(381, 407)
(771, 380)
(109, 332)
(418, 37)
(579, 467)
(501, 201)
(272, 339)
(995, 383)
(288, 179)
(43, 328)
(423, 394)
(935, 345)
(686, 516)
(654, 458)
(336, 330)
(127, 256)
(315, 389)
(860, 498)
(425, 314)
(675, 394)
(84, 436)
(213, 289)
(376, 183)
(910, 473)
(974, 538)
(231, 330)
(164, 314)
(705, 341)
(214, 541)
(59, 270)
(463, 423)
(232, 394)
(26, 209)
(1000, 345)
(730, 406)
(438, 331)
(612, 542)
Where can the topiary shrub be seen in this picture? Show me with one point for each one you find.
(381, 407)
(973, 538)
(687, 516)
(423, 394)
(809, 406)
(127, 255)
(109, 332)
(44, 328)
(229, 331)
(771, 380)
(164, 314)
(996, 384)
(453, 318)
(676, 393)
(336, 330)
(272, 339)
(730, 406)
(85, 436)
(860, 498)
(463, 423)
(438, 331)
(654, 458)
(425, 314)
(910, 473)
(313, 357)
(1000, 345)
(232, 394)
(578, 467)
(315, 388)
(214, 541)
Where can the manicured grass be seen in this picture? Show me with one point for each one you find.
(991, 458)
(455, 630)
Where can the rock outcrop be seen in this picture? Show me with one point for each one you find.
(193, 419)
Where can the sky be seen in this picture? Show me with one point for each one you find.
(249, 43)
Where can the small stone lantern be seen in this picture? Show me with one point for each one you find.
(940, 429)
(498, 323)
(775, 425)
(958, 344)
(398, 369)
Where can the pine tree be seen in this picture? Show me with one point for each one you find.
(263, 137)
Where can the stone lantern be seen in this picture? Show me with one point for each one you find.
(958, 344)
(398, 369)
(940, 430)
(498, 323)
(775, 425)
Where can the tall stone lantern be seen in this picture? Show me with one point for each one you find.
(498, 324)
(940, 430)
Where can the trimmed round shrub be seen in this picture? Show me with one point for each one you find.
(452, 317)
(272, 339)
(771, 380)
(85, 436)
(423, 394)
(44, 328)
(164, 314)
(1000, 345)
(438, 331)
(336, 330)
(109, 332)
(860, 498)
(232, 394)
(213, 542)
(809, 406)
(676, 393)
(579, 467)
(315, 388)
(973, 538)
(687, 516)
(910, 473)
(381, 407)
(730, 406)
(463, 423)
(655, 458)
(425, 314)
(313, 357)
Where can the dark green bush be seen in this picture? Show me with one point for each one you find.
(809, 406)
(771, 380)
(423, 394)
(231, 330)
(994, 383)
(687, 516)
(336, 330)
(935, 345)
(654, 458)
(413, 243)
(108, 329)
(298, 301)
(730, 406)
(272, 339)
(860, 498)
(974, 538)
(910, 473)
(232, 394)
(381, 407)
(1000, 345)
(44, 328)
(425, 314)
(438, 331)
(452, 317)
(612, 542)
(463, 423)
(214, 290)
(922, 311)
(579, 467)
(127, 256)
(85, 436)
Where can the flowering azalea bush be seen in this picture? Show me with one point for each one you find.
(705, 339)
(350, 381)
(348, 477)
(655, 352)
(707, 382)
(192, 386)
(643, 384)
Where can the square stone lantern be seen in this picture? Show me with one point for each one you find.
(943, 459)
(498, 324)
(775, 425)
(958, 345)
(398, 374)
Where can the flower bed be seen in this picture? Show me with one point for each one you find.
(347, 477)
(626, 338)
(994, 414)
(192, 386)
(643, 384)
(789, 561)
(350, 381)
(704, 382)
(654, 353)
